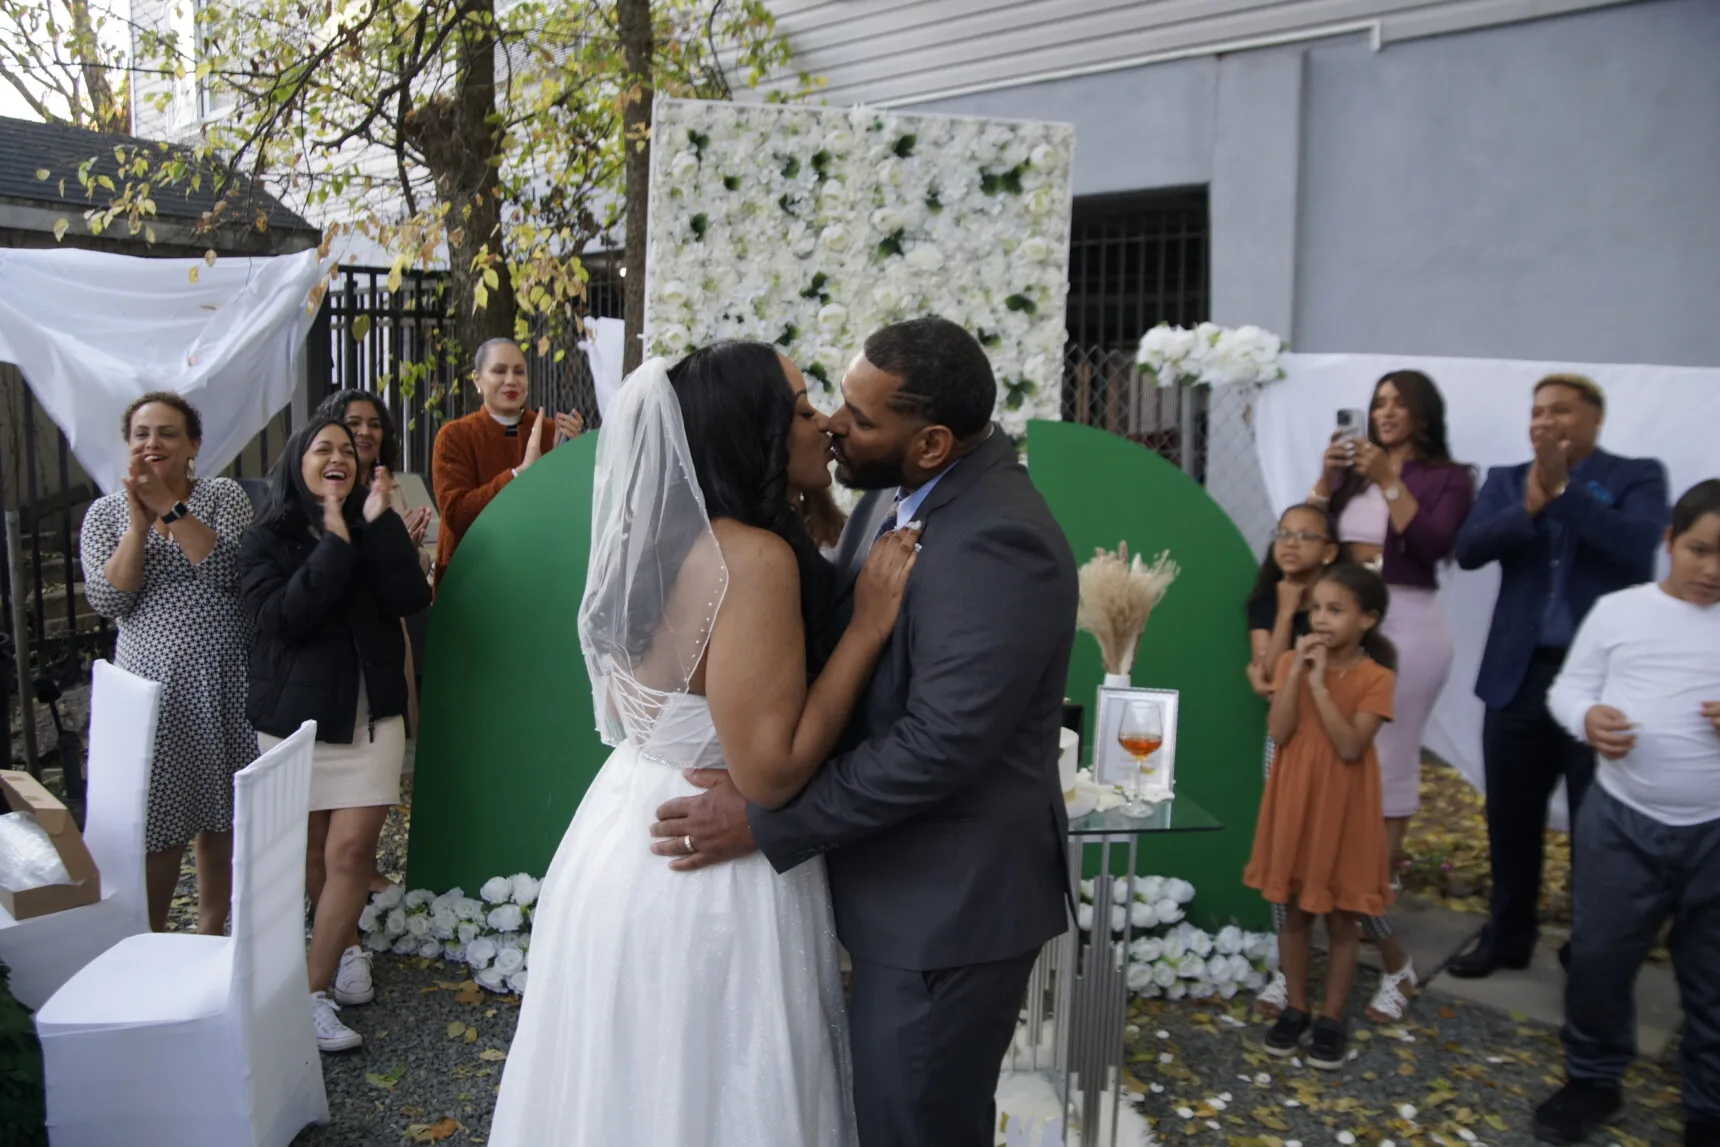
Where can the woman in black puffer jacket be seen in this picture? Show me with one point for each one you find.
(327, 573)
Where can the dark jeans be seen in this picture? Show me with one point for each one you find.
(1525, 753)
(927, 1046)
(1638, 872)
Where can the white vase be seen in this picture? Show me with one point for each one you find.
(1118, 681)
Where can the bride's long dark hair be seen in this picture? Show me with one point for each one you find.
(737, 409)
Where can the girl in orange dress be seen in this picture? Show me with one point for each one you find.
(1320, 843)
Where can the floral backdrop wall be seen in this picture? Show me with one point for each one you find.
(811, 227)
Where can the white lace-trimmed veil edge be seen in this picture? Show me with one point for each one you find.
(656, 576)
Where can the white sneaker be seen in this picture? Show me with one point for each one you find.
(352, 979)
(332, 1035)
(1274, 997)
(1393, 995)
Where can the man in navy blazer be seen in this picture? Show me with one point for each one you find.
(1572, 525)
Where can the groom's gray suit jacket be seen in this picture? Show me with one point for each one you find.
(942, 816)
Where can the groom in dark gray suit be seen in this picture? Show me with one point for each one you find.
(941, 819)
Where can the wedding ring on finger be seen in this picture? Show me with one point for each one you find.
(687, 842)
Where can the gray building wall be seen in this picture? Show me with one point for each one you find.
(1547, 189)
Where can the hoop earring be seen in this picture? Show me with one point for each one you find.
(191, 467)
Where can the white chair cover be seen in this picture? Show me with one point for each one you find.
(45, 951)
(173, 1040)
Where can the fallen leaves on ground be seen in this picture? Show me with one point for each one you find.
(433, 1132)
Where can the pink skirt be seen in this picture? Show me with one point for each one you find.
(1416, 625)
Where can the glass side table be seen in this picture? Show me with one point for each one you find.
(1078, 994)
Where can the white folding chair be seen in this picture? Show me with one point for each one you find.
(174, 1040)
(46, 951)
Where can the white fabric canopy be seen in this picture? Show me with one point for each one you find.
(1653, 411)
(603, 353)
(92, 331)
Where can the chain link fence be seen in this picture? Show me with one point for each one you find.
(1208, 433)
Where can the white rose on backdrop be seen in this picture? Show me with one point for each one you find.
(397, 922)
(1191, 966)
(418, 926)
(405, 945)
(1140, 915)
(887, 296)
(526, 889)
(1229, 940)
(1168, 911)
(455, 951)
(496, 890)
(443, 922)
(839, 141)
(890, 173)
(1257, 945)
(480, 952)
(507, 918)
(1140, 977)
(1119, 917)
(674, 339)
(684, 166)
(834, 195)
(1087, 889)
(1040, 202)
(832, 318)
(1045, 157)
(1218, 970)
(1150, 888)
(1199, 942)
(390, 898)
(509, 960)
(467, 931)
(1084, 917)
(1164, 973)
(491, 980)
(1174, 947)
(517, 982)
(430, 948)
(514, 941)
(1119, 891)
(889, 220)
(1014, 423)
(1037, 249)
(925, 257)
(803, 242)
(1179, 890)
(378, 941)
(467, 908)
(1228, 991)
(674, 293)
(1177, 990)
(837, 239)
(1202, 990)
(1254, 981)
(367, 919)
(419, 897)
(448, 899)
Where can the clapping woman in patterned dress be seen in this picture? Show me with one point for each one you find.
(160, 559)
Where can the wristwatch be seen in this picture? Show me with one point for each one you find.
(180, 510)
(1393, 492)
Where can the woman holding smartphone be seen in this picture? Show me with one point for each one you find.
(1397, 499)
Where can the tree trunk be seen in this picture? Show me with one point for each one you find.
(637, 47)
(459, 138)
(109, 113)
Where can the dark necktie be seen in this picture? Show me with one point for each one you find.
(889, 522)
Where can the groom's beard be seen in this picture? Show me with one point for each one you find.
(880, 474)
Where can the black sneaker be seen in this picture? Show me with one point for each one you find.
(1699, 1132)
(1574, 1111)
(1330, 1043)
(1286, 1035)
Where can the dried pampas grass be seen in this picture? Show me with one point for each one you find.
(1117, 596)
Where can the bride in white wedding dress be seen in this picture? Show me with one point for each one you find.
(698, 1009)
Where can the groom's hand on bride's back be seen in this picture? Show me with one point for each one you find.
(715, 821)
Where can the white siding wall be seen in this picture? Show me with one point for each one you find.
(904, 51)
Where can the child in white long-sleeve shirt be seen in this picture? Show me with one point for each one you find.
(1641, 684)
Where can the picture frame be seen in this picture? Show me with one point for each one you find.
(1111, 764)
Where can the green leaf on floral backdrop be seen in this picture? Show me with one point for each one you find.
(877, 125)
(904, 147)
(786, 202)
(987, 338)
(700, 141)
(994, 183)
(1021, 303)
(933, 203)
(816, 370)
(816, 290)
(731, 183)
(891, 244)
(789, 333)
(1018, 391)
(821, 165)
(700, 224)
(791, 168)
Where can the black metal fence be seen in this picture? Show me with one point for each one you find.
(391, 343)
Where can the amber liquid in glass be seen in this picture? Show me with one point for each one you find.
(1140, 748)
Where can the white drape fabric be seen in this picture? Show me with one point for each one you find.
(1660, 412)
(92, 331)
(603, 354)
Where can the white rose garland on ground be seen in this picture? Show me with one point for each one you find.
(810, 227)
(1210, 355)
(489, 933)
(1170, 957)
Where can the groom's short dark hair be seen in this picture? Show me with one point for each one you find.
(946, 378)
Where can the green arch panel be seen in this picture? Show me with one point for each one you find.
(508, 742)
(1103, 490)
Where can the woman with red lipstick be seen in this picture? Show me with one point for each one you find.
(327, 573)
(477, 455)
(160, 559)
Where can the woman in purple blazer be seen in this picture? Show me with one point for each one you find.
(1397, 501)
